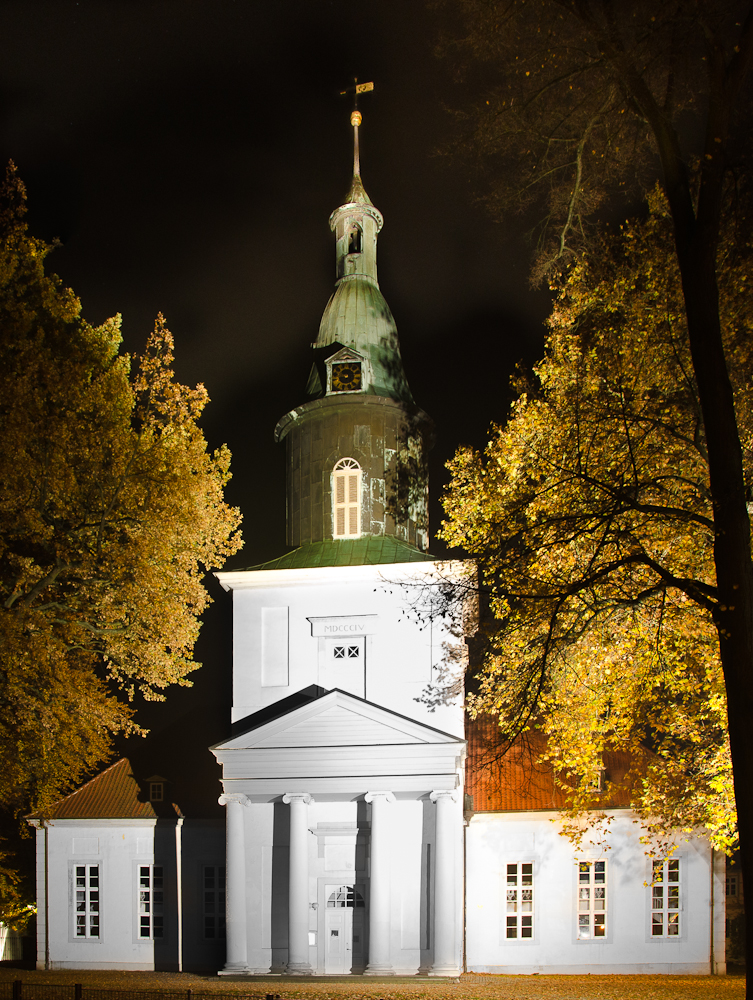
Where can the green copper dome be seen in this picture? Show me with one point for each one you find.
(357, 316)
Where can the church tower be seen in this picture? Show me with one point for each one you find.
(357, 448)
(342, 776)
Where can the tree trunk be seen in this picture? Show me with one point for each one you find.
(732, 555)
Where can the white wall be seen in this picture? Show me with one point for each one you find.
(404, 653)
(496, 839)
(119, 847)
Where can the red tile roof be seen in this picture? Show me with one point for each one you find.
(516, 780)
(113, 794)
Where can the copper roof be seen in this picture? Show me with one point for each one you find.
(357, 194)
(357, 316)
(516, 780)
(113, 794)
(370, 550)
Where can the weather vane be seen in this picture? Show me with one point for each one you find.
(356, 118)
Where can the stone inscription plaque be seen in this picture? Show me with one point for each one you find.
(345, 626)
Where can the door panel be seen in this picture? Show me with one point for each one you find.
(338, 930)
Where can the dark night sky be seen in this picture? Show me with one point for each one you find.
(187, 154)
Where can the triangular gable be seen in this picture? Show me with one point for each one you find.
(345, 354)
(337, 719)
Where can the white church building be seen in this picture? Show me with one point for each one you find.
(362, 833)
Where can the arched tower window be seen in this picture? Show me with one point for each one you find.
(346, 499)
(355, 239)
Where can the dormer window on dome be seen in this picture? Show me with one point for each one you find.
(346, 372)
(346, 499)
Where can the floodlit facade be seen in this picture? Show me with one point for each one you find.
(359, 837)
(538, 903)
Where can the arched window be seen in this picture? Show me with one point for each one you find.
(355, 239)
(346, 499)
(346, 896)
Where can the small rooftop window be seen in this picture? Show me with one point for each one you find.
(156, 790)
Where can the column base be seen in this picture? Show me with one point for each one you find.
(298, 969)
(444, 970)
(234, 970)
(378, 970)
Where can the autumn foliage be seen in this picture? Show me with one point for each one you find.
(592, 518)
(111, 512)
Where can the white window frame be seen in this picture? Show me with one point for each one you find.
(592, 900)
(86, 902)
(213, 909)
(666, 899)
(150, 897)
(346, 499)
(519, 900)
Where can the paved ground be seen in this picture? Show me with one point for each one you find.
(469, 987)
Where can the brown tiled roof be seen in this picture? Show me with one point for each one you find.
(516, 780)
(113, 794)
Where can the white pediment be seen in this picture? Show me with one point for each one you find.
(345, 354)
(337, 720)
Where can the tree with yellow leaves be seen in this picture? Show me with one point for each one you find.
(111, 512)
(591, 515)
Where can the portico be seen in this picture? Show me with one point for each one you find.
(383, 844)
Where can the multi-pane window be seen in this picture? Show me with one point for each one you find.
(592, 900)
(665, 898)
(346, 896)
(87, 901)
(730, 884)
(346, 499)
(214, 901)
(151, 898)
(519, 900)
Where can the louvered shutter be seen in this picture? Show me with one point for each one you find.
(346, 495)
(353, 503)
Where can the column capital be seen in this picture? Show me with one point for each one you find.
(304, 797)
(446, 793)
(227, 797)
(387, 796)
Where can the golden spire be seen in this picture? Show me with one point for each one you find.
(356, 118)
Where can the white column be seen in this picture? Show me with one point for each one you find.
(379, 887)
(445, 915)
(235, 882)
(298, 887)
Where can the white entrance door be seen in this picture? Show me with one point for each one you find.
(338, 929)
(344, 926)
